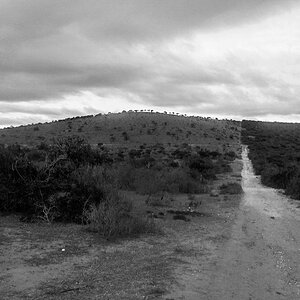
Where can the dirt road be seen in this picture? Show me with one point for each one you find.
(262, 258)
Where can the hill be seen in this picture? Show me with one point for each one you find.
(132, 128)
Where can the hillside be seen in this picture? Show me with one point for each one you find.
(130, 128)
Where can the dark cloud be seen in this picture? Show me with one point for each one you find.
(28, 19)
(50, 49)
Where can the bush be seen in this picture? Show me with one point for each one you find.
(76, 149)
(87, 185)
(19, 189)
(179, 180)
(52, 190)
(126, 176)
(293, 187)
(36, 155)
(112, 218)
(231, 155)
(153, 181)
(231, 188)
(148, 181)
(204, 166)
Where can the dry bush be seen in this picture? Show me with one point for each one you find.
(112, 218)
(293, 187)
(232, 188)
(152, 181)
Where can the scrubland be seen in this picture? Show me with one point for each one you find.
(71, 182)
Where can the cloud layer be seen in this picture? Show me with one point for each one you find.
(211, 57)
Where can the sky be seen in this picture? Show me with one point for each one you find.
(235, 59)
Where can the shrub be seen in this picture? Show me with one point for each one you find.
(76, 149)
(293, 187)
(54, 189)
(231, 188)
(204, 166)
(88, 185)
(126, 176)
(148, 181)
(173, 180)
(222, 166)
(112, 218)
(231, 155)
(125, 136)
(36, 155)
(18, 183)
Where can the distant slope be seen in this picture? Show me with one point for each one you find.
(132, 128)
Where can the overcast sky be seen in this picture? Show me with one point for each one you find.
(222, 58)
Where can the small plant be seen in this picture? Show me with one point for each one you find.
(48, 212)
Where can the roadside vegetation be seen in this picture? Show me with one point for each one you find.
(275, 153)
(69, 181)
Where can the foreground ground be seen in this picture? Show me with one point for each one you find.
(231, 249)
